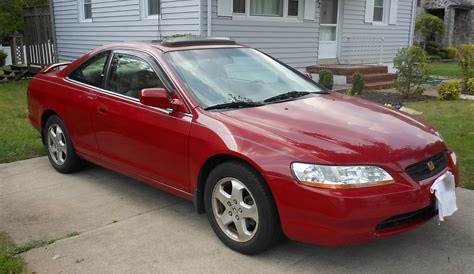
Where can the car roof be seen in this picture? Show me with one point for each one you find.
(175, 44)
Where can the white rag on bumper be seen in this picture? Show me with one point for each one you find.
(444, 189)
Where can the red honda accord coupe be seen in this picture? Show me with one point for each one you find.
(255, 144)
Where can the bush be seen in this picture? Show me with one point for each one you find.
(412, 66)
(452, 52)
(432, 48)
(358, 84)
(470, 86)
(3, 57)
(449, 89)
(326, 79)
(465, 58)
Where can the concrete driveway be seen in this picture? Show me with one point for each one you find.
(126, 226)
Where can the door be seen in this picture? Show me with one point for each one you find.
(83, 82)
(328, 29)
(137, 139)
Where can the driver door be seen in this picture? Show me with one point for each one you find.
(134, 138)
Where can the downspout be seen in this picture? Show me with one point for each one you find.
(53, 31)
(412, 23)
(209, 18)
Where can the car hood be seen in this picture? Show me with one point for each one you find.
(337, 128)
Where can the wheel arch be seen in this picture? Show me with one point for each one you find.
(208, 166)
(44, 117)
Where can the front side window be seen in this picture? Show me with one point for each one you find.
(92, 72)
(153, 7)
(378, 10)
(129, 74)
(219, 76)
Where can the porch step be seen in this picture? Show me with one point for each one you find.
(376, 77)
(379, 85)
(349, 70)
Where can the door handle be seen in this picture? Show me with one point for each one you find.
(102, 110)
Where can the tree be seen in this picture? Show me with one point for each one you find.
(430, 27)
(11, 15)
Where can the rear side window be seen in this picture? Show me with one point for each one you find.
(129, 74)
(92, 72)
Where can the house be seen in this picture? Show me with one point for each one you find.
(298, 32)
(458, 17)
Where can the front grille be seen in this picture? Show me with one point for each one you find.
(407, 218)
(421, 170)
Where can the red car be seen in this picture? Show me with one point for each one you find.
(257, 145)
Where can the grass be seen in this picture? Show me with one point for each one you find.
(10, 259)
(455, 122)
(18, 139)
(448, 69)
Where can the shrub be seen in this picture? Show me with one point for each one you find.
(412, 66)
(470, 86)
(432, 47)
(465, 58)
(326, 79)
(449, 89)
(452, 52)
(430, 27)
(358, 84)
(3, 57)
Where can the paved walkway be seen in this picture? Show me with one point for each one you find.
(128, 227)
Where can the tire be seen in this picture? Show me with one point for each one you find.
(61, 152)
(255, 213)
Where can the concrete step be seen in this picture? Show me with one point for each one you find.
(377, 77)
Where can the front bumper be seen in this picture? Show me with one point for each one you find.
(354, 216)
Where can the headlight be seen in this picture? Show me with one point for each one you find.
(340, 177)
(453, 157)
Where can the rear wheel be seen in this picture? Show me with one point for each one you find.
(61, 153)
(240, 208)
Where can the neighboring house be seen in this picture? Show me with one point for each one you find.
(458, 17)
(298, 32)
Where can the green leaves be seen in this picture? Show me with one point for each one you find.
(11, 15)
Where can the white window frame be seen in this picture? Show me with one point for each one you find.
(145, 13)
(384, 6)
(285, 17)
(385, 14)
(82, 13)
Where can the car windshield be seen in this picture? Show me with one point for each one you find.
(224, 77)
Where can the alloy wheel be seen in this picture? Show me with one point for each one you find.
(57, 146)
(235, 209)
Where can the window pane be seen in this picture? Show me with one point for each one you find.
(87, 11)
(239, 6)
(153, 7)
(378, 3)
(328, 33)
(130, 74)
(329, 11)
(266, 7)
(293, 7)
(92, 72)
(378, 14)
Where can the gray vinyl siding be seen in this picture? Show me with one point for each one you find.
(118, 21)
(362, 42)
(295, 43)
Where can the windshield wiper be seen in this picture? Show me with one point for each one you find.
(236, 104)
(286, 96)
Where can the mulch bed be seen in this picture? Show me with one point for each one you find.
(390, 97)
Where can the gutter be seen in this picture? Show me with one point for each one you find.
(412, 24)
(209, 18)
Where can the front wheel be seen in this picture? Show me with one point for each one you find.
(240, 208)
(61, 153)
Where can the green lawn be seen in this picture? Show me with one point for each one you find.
(449, 69)
(455, 122)
(18, 139)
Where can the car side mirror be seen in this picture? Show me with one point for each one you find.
(159, 97)
(155, 97)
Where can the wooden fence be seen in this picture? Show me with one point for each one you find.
(38, 37)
